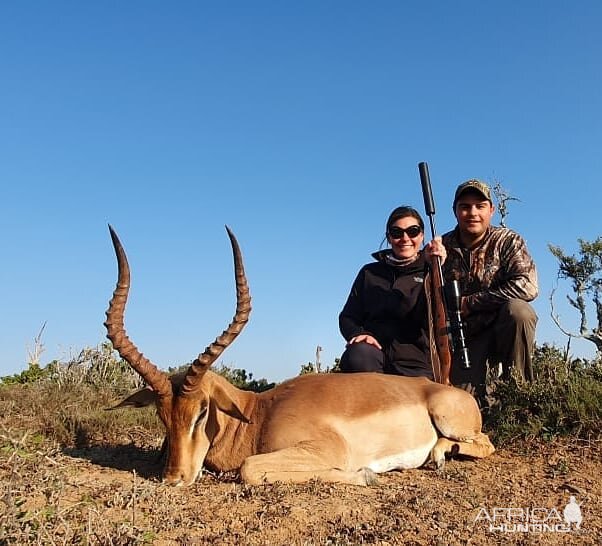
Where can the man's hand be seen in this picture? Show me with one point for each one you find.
(365, 338)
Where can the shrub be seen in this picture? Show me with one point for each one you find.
(243, 380)
(67, 401)
(98, 367)
(565, 399)
(95, 366)
(32, 374)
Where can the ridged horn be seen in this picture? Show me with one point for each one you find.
(243, 307)
(154, 377)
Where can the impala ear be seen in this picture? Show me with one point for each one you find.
(225, 403)
(142, 398)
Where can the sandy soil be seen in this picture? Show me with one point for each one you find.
(111, 495)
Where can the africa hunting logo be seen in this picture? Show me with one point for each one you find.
(532, 519)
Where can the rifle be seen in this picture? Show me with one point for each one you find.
(449, 334)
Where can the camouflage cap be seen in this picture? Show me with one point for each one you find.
(474, 185)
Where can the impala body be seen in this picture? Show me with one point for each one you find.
(335, 427)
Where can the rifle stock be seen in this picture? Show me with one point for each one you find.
(440, 325)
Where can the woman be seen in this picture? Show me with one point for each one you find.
(385, 317)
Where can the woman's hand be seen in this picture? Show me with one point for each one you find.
(365, 338)
(435, 248)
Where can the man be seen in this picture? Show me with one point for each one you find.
(497, 278)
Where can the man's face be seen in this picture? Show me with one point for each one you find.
(474, 214)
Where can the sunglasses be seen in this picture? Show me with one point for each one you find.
(396, 232)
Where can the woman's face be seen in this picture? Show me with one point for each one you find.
(402, 243)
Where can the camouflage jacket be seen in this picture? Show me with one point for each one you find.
(500, 268)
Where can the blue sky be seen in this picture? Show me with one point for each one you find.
(298, 124)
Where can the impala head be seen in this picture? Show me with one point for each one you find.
(187, 403)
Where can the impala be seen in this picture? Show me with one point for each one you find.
(334, 427)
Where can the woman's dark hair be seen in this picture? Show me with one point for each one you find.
(403, 212)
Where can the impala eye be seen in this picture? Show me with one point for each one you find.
(201, 416)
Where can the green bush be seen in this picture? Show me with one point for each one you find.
(565, 399)
(32, 374)
(94, 366)
(243, 380)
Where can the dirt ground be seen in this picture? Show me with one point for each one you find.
(111, 494)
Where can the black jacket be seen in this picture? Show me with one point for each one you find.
(389, 303)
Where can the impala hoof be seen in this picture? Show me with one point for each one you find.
(370, 477)
(438, 458)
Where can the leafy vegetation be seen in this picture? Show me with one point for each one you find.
(243, 380)
(32, 374)
(584, 271)
(311, 367)
(237, 376)
(94, 366)
(565, 399)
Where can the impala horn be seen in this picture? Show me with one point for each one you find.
(154, 377)
(243, 307)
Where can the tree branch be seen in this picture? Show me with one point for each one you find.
(556, 318)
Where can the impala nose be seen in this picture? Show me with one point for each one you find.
(179, 479)
(173, 480)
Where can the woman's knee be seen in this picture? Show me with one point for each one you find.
(362, 357)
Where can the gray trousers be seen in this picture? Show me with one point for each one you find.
(509, 340)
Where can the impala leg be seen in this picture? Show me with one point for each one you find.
(300, 464)
(479, 447)
(162, 457)
(456, 416)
